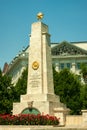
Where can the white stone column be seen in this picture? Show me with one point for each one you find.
(61, 114)
(57, 67)
(73, 69)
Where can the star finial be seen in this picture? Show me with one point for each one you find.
(40, 16)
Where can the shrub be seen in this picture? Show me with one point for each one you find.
(28, 119)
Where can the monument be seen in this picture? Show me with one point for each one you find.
(40, 97)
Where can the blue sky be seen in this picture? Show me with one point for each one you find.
(67, 20)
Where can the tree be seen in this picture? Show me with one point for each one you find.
(84, 72)
(6, 97)
(21, 85)
(68, 87)
(84, 96)
(10, 93)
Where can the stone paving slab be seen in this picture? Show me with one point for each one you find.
(21, 127)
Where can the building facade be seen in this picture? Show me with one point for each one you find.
(64, 55)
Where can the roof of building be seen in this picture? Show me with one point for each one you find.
(65, 48)
(80, 44)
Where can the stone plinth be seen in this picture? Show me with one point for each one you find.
(84, 117)
(61, 112)
(45, 103)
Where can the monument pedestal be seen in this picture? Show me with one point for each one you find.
(44, 103)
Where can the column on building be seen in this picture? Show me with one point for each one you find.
(73, 67)
(57, 67)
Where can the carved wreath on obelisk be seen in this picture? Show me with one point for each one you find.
(35, 65)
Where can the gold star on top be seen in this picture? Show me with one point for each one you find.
(40, 16)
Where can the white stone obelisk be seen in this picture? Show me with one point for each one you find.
(40, 77)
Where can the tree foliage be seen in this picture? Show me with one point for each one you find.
(6, 93)
(20, 87)
(10, 93)
(84, 72)
(67, 86)
(84, 96)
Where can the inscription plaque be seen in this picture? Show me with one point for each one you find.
(35, 80)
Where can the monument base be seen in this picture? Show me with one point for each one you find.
(44, 103)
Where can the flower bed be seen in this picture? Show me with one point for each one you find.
(28, 119)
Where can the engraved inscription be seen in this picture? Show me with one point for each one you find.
(35, 80)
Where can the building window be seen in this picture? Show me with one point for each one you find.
(62, 66)
(68, 65)
(78, 65)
